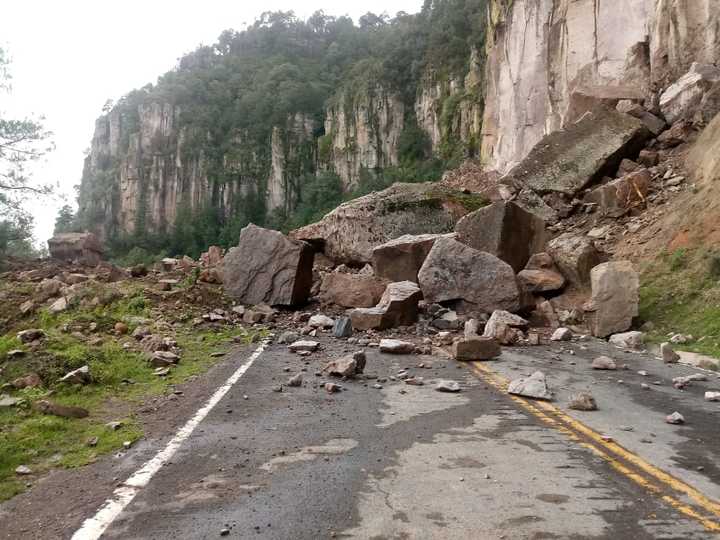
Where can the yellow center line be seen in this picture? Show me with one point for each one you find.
(659, 481)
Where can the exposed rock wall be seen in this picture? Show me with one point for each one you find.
(363, 132)
(542, 51)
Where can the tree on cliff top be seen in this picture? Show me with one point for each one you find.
(22, 142)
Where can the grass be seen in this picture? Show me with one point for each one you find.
(122, 381)
(680, 293)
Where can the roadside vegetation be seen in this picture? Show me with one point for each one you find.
(680, 293)
(122, 378)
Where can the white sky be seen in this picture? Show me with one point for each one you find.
(69, 57)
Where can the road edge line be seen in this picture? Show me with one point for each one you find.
(94, 527)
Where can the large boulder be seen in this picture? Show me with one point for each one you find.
(566, 161)
(82, 248)
(401, 259)
(268, 268)
(397, 307)
(349, 233)
(351, 290)
(681, 101)
(454, 271)
(615, 298)
(615, 198)
(575, 255)
(505, 230)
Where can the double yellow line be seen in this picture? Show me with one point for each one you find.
(676, 493)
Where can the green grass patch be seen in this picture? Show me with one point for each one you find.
(123, 380)
(680, 293)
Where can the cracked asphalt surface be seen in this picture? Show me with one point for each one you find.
(410, 462)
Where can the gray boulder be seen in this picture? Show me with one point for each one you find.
(83, 248)
(535, 387)
(682, 99)
(615, 297)
(505, 230)
(566, 161)
(455, 271)
(349, 233)
(268, 268)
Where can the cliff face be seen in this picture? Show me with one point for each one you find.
(144, 168)
(542, 52)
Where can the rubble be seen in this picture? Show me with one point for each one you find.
(268, 268)
(675, 418)
(604, 362)
(396, 346)
(456, 272)
(321, 321)
(504, 327)
(447, 386)
(534, 387)
(304, 345)
(584, 401)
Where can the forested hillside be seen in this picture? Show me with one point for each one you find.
(279, 123)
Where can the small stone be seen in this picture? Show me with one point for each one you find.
(321, 321)
(643, 373)
(414, 381)
(645, 386)
(304, 345)
(629, 340)
(604, 362)
(395, 346)
(562, 334)
(583, 401)
(331, 388)
(447, 386)
(295, 380)
(712, 396)
(277, 388)
(121, 328)
(28, 336)
(114, 426)
(224, 532)
(23, 470)
(92, 441)
(78, 376)
(377, 386)
(287, 338)
(342, 327)
(675, 418)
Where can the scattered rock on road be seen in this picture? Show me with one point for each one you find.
(675, 418)
(396, 346)
(476, 348)
(604, 362)
(320, 321)
(342, 327)
(398, 306)
(712, 396)
(534, 387)
(584, 401)
(295, 380)
(447, 386)
(347, 366)
(615, 298)
(304, 345)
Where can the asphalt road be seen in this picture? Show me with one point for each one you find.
(410, 462)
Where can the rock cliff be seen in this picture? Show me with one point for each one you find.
(542, 53)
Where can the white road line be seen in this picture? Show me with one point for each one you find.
(93, 528)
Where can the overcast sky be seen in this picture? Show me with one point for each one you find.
(69, 57)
